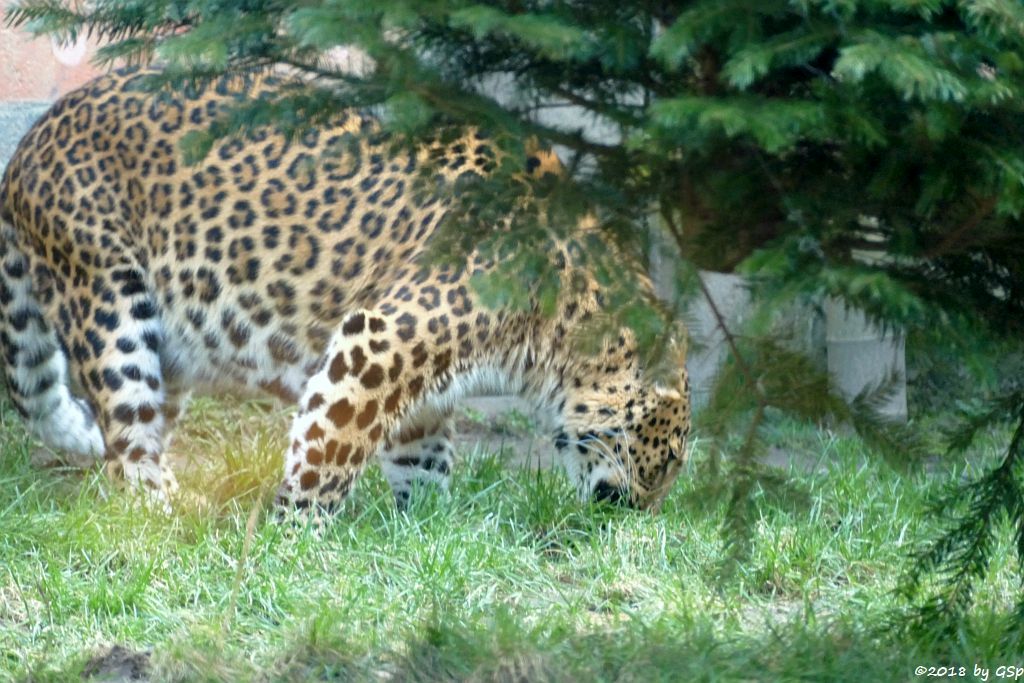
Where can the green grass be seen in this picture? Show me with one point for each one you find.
(508, 578)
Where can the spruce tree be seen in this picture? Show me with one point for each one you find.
(768, 137)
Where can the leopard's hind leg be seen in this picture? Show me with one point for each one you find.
(107, 316)
(117, 354)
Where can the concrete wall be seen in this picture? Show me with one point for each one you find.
(15, 119)
(862, 356)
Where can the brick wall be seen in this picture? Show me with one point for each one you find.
(33, 73)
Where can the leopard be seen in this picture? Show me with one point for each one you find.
(294, 265)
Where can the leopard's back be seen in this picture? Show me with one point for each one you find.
(255, 254)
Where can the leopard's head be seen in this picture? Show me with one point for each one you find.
(629, 446)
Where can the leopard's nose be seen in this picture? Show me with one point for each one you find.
(607, 493)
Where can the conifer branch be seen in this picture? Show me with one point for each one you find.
(961, 555)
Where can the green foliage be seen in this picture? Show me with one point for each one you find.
(776, 127)
(904, 64)
(975, 513)
(764, 134)
(546, 35)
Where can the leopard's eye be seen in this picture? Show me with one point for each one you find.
(672, 457)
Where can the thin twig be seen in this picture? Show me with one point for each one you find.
(250, 532)
(730, 338)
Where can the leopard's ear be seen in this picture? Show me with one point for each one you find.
(541, 161)
(671, 370)
(667, 395)
(677, 352)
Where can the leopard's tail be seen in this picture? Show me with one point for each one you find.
(35, 362)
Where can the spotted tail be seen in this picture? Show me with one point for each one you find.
(35, 363)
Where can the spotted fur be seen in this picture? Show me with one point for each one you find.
(127, 276)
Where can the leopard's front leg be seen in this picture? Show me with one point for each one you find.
(373, 369)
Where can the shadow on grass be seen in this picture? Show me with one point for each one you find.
(508, 649)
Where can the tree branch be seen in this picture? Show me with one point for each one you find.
(949, 242)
